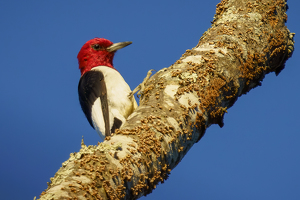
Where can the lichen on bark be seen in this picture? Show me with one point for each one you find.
(247, 40)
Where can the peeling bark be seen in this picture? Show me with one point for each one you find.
(247, 40)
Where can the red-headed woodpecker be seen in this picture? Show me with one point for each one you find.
(103, 93)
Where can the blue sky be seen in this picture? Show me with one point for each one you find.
(254, 156)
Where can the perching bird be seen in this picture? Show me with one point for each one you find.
(103, 93)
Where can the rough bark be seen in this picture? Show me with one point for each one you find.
(247, 40)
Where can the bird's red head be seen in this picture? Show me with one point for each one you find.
(96, 52)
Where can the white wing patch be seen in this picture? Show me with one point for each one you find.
(97, 119)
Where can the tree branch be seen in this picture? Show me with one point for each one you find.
(247, 40)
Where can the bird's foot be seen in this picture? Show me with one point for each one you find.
(141, 86)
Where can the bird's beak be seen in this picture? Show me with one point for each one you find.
(117, 46)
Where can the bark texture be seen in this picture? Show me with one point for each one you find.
(247, 40)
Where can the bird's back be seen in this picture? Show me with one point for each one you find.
(119, 104)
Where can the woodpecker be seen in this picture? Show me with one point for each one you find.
(103, 92)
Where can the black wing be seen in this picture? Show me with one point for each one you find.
(117, 124)
(92, 86)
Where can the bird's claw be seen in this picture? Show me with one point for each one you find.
(141, 86)
(130, 95)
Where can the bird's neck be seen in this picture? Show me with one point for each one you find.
(86, 64)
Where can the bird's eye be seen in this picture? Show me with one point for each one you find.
(96, 47)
